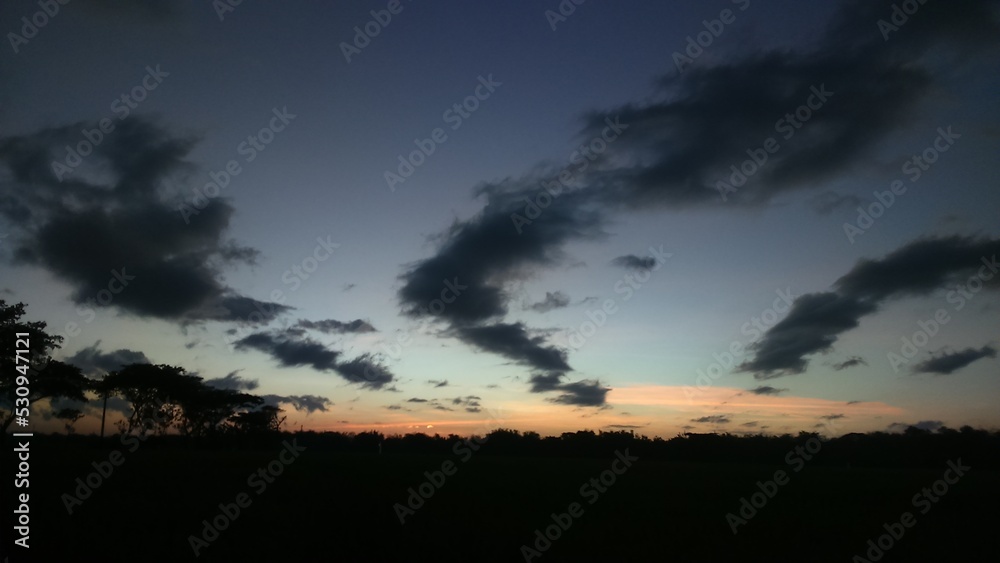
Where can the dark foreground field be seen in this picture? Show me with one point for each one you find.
(340, 506)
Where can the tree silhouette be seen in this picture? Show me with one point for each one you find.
(260, 421)
(70, 416)
(25, 361)
(151, 390)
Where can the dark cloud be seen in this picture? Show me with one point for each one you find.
(470, 403)
(713, 419)
(833, 416)
(466, 281)
(767, 390)
(828, 202)
(233, 381)
(331, 326)
(585, 393)
(625, 426)
(291, 352)
(816, 320)
(308, 403)
(812, 325)
(416, 400)
(588, 393)
(751, 424)
(945, 363)
(512, 341)
(633, 262)
(553, 300)
(918, 268)
(367, 371)
(120, 241)
(849, 363)
(679, 146)
(438, 382)
(93, 362)
(854, 402)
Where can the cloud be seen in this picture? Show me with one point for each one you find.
(713, 419)
(233, 381)
(751, 424)
(553, 300)
(585, 393)
(948, 362)
(512, 341)
(829, 201)
(330, 326)
(680, 144)
(588, 393)
(416, 400)
(625, 426)
(93, 362)
(368, 372)
(833, 416)
(812, 325)
(671, 150)
(633, 262)
(308, 403)
(850, 362)
(767, 390)
(292, 350)
(112, 230)
(918, 268)
(470, 403)
(438, 382)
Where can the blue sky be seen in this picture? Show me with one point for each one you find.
(219, 80)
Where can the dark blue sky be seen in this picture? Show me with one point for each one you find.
(309, 230)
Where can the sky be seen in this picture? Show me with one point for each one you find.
(728, 216)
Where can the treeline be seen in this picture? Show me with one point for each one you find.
(912, 448)
(161, 398)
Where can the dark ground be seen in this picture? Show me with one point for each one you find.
(339, 506)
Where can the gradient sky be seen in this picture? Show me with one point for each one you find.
(510, 346)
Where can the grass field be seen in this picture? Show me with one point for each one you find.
(340, 506)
